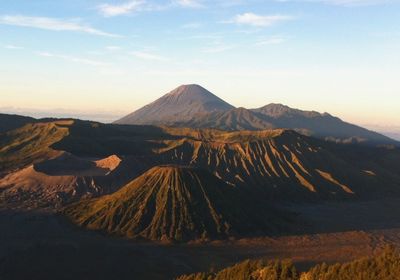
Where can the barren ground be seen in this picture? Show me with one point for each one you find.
(55, 249)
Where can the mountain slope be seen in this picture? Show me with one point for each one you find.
(31, 143)
(320, 125)
(284, 164)
(62, 180)
(274, 116)
(234, 119)
(180, 104)
(10, 122)
(276, 164)
(175, 203)
(195, 107)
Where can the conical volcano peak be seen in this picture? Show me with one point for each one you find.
(190, 89)
(181, 104)
(193, 93)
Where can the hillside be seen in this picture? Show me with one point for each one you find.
(319, 125)
(10, 122)
(234, 119)
(176, 203)
(275, 164)
(275, 116)
(31, 143)
(62, 180)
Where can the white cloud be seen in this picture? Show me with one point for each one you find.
(73, 59)
(51, 24)
(259, 20)
(149, 56)
(109, 10)
(189, 3)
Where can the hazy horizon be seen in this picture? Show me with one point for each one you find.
(109, 116)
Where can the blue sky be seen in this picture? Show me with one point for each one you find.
(111, 57)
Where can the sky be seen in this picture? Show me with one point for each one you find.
(103, 59)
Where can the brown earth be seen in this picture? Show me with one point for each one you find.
(48, 247)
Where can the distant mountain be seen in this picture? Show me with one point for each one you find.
(175, 203)
(180, 104)
(194, 107)
(319, 125)
(10, 122)
(275, 116)
(234, 119)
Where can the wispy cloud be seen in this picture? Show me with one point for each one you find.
(218, 48)
(274, 40)
(354, 2)
(113, 48)
(73, 59)
(348, 3)
(255, 20)
(192, 25)
(189, 3)
(52, 24)
(13, 47)
(149, 56)
(109, 10)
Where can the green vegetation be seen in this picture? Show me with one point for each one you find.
(250, 270)
(385, 266)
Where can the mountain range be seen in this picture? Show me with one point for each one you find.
(194, 106)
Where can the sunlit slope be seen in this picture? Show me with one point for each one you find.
(64, 179)
(31, 143)
(37, 142)
(33, 173)
(176, 203)
(10, 122)
(279, 163)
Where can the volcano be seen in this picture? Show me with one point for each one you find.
(181, 104)
(176, 203)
